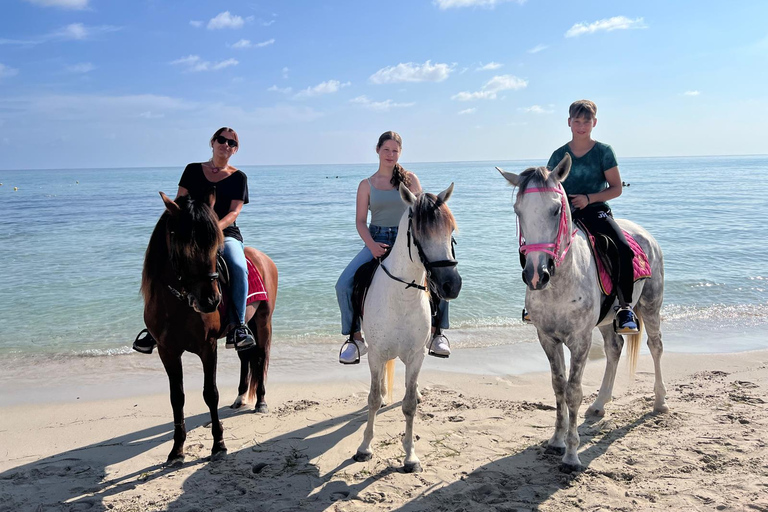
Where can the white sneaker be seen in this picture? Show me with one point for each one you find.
(439, 346)
(352, 350)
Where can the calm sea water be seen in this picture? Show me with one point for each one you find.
(72, 244)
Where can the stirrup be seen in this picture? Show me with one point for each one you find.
(358, 353)
(144, 348)
(439, 354)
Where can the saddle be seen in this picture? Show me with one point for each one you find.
(606, 257)
(256, 289)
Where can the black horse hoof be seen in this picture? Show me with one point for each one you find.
(555, 450)
(362, 457)
(261, 408)
(412, 468)
(175, 460)
(570, 468)
(219, 455)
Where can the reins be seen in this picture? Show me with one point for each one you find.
(562, 241)
(183, 294)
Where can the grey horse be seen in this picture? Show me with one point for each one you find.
(563, 298)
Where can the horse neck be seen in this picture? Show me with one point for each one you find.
(575, 266)
(399, 261)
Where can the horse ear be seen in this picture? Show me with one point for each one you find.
(406, 194)
(172, 207)
(563, 168)
(511, 177)
(445, 194)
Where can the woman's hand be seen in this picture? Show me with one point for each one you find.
(378, 250)
(579, 200)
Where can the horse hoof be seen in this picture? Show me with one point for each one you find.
(413, 467)
(661, 409)
(238, 403)
(219, 455)
(595, 412)
(175, 460)
(570, 468)
(261, 408)
(555, 450)
(362, 457)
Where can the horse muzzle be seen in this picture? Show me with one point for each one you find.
(537, 277)
(209, 305)
(447, 283)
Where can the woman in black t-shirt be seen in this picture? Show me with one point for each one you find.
(231, 194)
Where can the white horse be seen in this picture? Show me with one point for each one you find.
(564, 299)
(396, 317)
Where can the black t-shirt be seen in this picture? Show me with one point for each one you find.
(232, 188)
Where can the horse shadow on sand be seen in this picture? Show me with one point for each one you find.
(277, 473)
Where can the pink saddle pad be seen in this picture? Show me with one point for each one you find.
(640, 265)
(256, 290)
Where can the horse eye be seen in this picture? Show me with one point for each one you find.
(556, 212)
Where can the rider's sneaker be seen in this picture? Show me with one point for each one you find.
(352, 350)
(145, 344)
(439, 346)
(625, 321)
(526, 317)
(240, 338)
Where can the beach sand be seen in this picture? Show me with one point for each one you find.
(481, 441)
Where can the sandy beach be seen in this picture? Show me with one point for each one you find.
(480, 438)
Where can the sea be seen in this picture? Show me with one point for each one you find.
(72, 243)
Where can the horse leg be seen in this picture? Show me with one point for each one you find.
(173, 369)
(260, 366)
(574, 394)
(410, 403)
(242, 386)
(211, 396)
(612, 344)
(364, 452)
(653, 328)
(554, 351)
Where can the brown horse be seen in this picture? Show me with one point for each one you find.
(181, 296)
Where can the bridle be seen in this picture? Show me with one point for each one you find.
(183, 294)
(428, 265)
(559, 248)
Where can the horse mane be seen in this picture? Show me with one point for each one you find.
(196, 235)
(431, 215)
(532, 174)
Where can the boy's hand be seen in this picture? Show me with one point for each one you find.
(579, 200)
(379, 250)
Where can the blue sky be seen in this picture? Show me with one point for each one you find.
(124, 83)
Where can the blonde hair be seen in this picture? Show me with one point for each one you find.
(583, 108)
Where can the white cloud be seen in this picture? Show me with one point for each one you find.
(608, 24)
(264, 43)
(80, 32)
(5, 71)
(492, 87)
(328, 87)
(194, 63)
(285, 72)
(538, 48)
(74, 31)
(537, 109)
(64, 4)
(83, 67)
(411, 72)
(225, 20)
(490, 66)
(379, 106)
(245, 43)
(196, 23)
(286, 90)
(449, 4)
(691, 93)
(151, 115)
(467, 111)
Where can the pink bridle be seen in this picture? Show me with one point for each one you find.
(562, 240)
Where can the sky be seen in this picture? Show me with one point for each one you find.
(141, 83)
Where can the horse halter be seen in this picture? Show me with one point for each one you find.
(562, 241)
(183, 293)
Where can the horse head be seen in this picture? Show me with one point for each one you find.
(431, 230)
(544, 220)
(193, 238)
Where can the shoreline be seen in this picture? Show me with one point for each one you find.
(480, 439)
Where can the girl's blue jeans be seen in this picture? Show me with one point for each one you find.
(385, 235)
(234, 255)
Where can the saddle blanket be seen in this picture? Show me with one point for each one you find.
(640, 265)
(256, 290)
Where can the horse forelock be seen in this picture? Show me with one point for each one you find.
(532, 176)
(431, 216)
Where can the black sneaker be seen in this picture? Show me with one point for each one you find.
(145, 344)
(625, 321)
(240, 338)
(526, 316)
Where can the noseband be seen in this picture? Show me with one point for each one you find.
(562, 241)
(183, 293)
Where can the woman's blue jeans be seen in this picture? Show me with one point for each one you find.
(344, 285)
(234, 255)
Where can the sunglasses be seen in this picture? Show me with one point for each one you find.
(223, 140)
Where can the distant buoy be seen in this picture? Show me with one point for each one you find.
(77, 182)
(15, 188)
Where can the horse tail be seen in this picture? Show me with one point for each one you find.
(390, 379)
(633, 345)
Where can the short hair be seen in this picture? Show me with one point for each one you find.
(582, 108)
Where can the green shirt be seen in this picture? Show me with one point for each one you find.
(587, 174)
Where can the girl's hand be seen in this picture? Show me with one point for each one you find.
(579, 200)
(378, 250)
